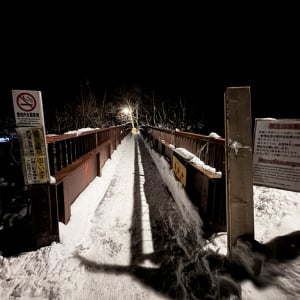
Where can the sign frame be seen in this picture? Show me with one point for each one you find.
(29, 115)
(28, 108)
(276, 154)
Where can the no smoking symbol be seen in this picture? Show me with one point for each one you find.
(26, 102)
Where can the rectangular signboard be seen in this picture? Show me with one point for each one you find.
(28, 108)
(276, 157)
(29, 115)
(34, 155)
(179, 170)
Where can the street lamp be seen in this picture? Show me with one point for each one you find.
(128, 112)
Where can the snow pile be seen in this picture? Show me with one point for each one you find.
(214, 135)
(281, 215)
(81, 130)
(192, 158)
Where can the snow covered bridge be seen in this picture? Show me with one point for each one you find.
(133, 233)
(77, 158)
(197, 162)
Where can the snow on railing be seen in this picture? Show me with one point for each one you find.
(192, 158)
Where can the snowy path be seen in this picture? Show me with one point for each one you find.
(128, 238)
(106, 251)
(101, 265)
(132, 245)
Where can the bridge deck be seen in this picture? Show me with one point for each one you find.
(138, 234)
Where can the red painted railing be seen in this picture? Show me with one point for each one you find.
(209, 149)
(76, 159)
(206, 190)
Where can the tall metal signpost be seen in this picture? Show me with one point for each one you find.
(28, 108)
(238, 154)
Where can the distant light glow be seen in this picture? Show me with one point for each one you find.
(4, 139)
(126, 111)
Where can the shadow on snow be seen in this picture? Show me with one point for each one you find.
(186, 271)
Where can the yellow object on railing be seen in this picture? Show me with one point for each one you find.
(133, 130)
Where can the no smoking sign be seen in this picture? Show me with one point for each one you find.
(26, 102)
(28, 108)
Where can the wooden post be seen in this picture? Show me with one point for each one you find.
(238, 157)
(45, 215)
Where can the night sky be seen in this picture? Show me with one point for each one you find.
(183, 54)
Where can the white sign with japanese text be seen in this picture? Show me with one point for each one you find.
(34, 155)
(28, 108)
(276, 157)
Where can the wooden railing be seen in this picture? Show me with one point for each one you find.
(206, 190)
(76, 159)
(63, 150)
(209, 149)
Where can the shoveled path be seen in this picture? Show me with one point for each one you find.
(138, 237)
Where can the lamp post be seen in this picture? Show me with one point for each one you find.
(128, 112)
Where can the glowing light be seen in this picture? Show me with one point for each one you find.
(126, 111)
